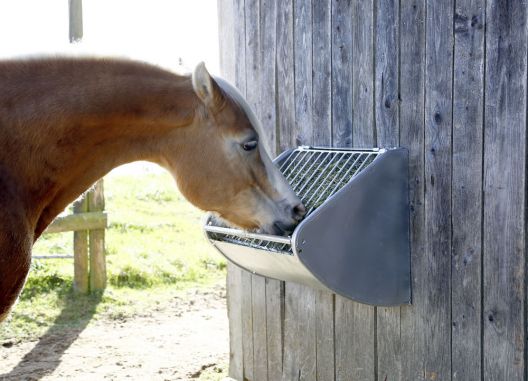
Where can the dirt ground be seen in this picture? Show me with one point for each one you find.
(182, 341)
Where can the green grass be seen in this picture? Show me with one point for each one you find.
(155, 248)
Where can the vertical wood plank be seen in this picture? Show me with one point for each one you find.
(341, 73)
(355, 322)
(388, 333)
(274, 288)
(438, 126)
(504, 191)
(80, 252)
(97, 240)
(322, 72)
(412, 78)
(303, 70)
(258, 285)
(363, 128)
(299, 307)
(245, 277)
(228, 27)
(468, 90)
(286, 120)
(285, 78)
(387, 73)
(322, 136)
(274, 321)
(345, 318)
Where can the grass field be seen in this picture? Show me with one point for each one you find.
(155, 248)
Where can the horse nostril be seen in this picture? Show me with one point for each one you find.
(298, 212)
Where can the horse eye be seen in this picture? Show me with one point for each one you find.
(249, 146)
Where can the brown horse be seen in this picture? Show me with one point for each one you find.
(64, 123)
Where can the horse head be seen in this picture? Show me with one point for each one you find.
(222, 165)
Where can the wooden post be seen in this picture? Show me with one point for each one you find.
(97, 251)
(76, 24)
(80, 252)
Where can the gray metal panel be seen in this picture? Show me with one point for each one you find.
(357, 244)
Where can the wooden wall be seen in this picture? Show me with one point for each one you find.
(447, 80)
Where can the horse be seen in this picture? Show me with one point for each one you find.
(66, 122)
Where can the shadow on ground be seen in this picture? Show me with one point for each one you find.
(46, 355)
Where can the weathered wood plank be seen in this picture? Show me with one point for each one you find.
(304, 311)
(78, 222)
(341, 73)
(247, 324)
(363, 128)
(96, 203)
(286, 120)
(322, 69)
(274, 322)
(504, 191)
(347, 315)
(302, 46)
(234, 311)
(259, 368)
(255, 350)
(228, 29)
(355, 322)
(386, 75)
(322, 136)
(268, 115)
(80, 252)
(260, 334)
(468, 90)
(438, 125)
(285, 78)
(388, 334)
(412, 78)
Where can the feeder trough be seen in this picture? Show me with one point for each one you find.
(354, 240)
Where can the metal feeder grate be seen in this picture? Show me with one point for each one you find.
(357, 216)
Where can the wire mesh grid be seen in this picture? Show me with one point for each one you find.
(315, 175)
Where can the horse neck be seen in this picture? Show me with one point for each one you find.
(76, 121)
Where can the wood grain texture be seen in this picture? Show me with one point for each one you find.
(466, 267)
(386, 107)
(412, 79)
(387, 73)
(303, 72)
(274, 289)
(505, 191)
(322, 136)
(363, 128)
(447, 80)
(96, 203)
(438, 126)
(355, 324)
(322, 72)
(228, 30)
(254, 76)
(80, 252)
(341, 73)
(285, 77)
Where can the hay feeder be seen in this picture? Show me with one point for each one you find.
(354, 240)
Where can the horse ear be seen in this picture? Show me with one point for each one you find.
(206, 88)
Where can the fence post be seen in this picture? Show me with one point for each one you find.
(97, 247)
(80, 252)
